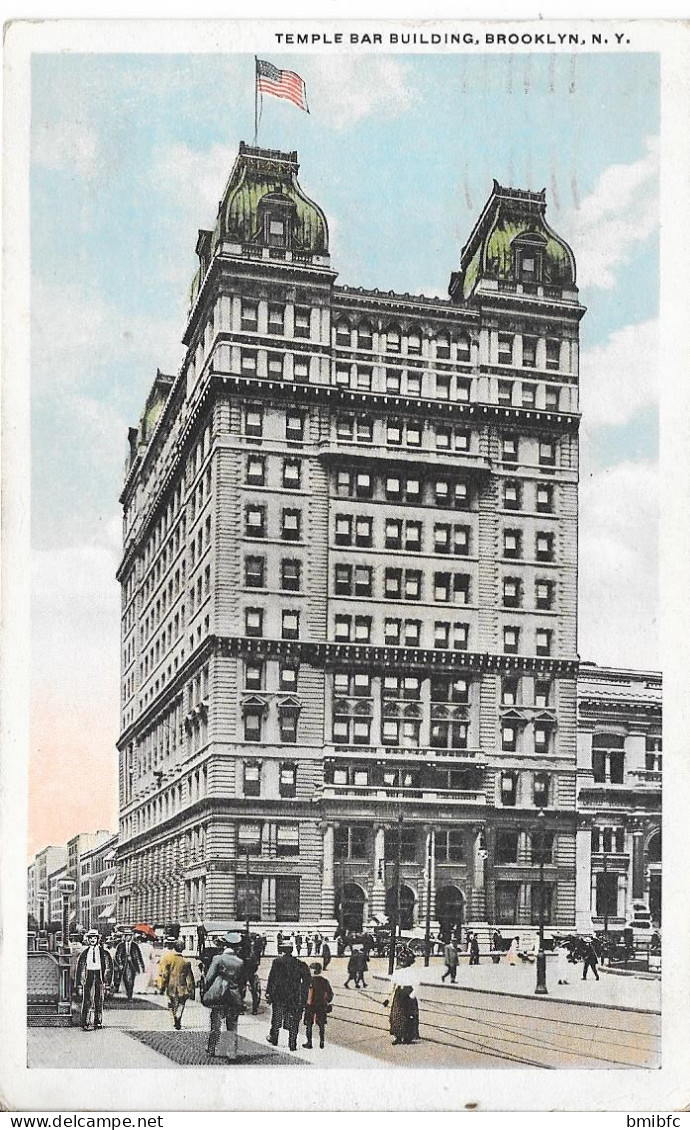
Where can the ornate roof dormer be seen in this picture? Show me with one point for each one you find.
(512, 242)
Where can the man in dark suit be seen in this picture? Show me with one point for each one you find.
(128, 962)
(94, 973)
(286, 991)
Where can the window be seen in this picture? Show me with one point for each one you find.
(512, 592)
(413, 630)
(343, 529)
(360, 731)
(302, 321)
(394, 432)
(461, 635)
(441, 634)
(290, 624)
(248, 362)
(414, 384)
(443, 347)
(393, 583)
(275, 366)
(393, 487)
(287, 720)
(254, 420)
(256, 470)
(363, 378)
(414, 342)
(407, 837)
(547, 454)
(287, 780)
(542, 782)
(254, 572)
(343, 628)
(413, 536)
(608, 758)
(290, 574)
(541, 847)
(553, 353)
(542, 693)
(287, 677)
(510, 690)
(543, 641)
(276, 319)
(393, 533)
(511, 640)
(362, 629)
(294, 426)
(249, 315)
(505, 392)
(506, 846)
(653, 753)
(510, 449)
(291, 525)
(391, 632)
(512, 495)
(448, 735)
(544, 498)
(292, 473)
(365, 336)
(249, 839)
(462, 390)
(350, 842)
(443, 386)
(287, 839)
(365, 430)
(343, 484)
(507, 902)
(505, 349)
(252, 730)
(254, 621)
(464, 348)
(442, 587)
(393, 339)
(552, 397)
(342, 375)
(363, 530)
(412, 589)
(287, 898)
(392, 380)
(512, 543)
(252, 772)
(342, 333)
(543, 594)
(449, 688)
(529, 395)
(300, 370)
(529, 351)
(253, 675)
(544, 547)
(542, 738)
(343, 580)
(361, 684)
(509, 736)
(364, 487)
(509, 790)
(363, 584)
(441, 538)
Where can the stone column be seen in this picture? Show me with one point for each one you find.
(477, 908)
(327, 882)
(378, 892)
(430, 874)
(583, 878)
(637, 862)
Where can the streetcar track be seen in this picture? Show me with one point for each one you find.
(512, 1036)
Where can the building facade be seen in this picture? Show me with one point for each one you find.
(619, 774)
(349, 582)
(78, 847)
(49, 860)
(98, 906)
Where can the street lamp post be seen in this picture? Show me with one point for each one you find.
(396, 908)
(246, 891)
(606, 908)
(541, 989)
(427, 928)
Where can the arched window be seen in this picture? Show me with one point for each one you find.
(392, 339)
(443, 347)
(654, 848)
(342, 333)
(414, 341)
(528, 257)
(364, 336)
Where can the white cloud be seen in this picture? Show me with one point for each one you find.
(619, 589)
(620, 378)
(621, 212)
(347, 88)
(71, 145)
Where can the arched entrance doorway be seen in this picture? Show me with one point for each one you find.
(654, 873)
(406, 909)
(450, 911)
(349, 908)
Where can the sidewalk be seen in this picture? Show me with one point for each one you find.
(613, 991)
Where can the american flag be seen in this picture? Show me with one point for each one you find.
(282, 84)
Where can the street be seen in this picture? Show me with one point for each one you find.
(490, 1018)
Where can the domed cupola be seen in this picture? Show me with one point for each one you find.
(513, 245)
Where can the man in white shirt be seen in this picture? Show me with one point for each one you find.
(93, 975)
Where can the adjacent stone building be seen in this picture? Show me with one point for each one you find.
(349, 581)
(619, 773)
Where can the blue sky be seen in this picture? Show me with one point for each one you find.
(129, 157)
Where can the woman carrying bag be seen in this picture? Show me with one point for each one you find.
(222, 995)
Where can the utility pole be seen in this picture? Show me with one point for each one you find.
(541, 989)
(395, 916)
(427, 930)
(246, 891)
(606, 906)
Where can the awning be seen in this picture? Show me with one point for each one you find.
(107, 884)
(108, 911)
(109, 856)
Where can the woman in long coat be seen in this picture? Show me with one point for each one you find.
(222, 995)
(404, 1017)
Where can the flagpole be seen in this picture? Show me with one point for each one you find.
(256, 100)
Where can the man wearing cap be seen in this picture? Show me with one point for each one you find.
(222, 994)
(128, 962)
(286, 991)
(175, 978)
(94, 973)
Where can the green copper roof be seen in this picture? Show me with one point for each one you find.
(259, 175)
(509, 215)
